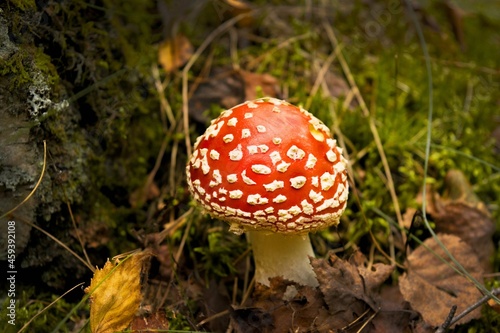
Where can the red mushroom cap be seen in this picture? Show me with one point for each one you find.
(269, 165)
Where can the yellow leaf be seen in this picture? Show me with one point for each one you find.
(115, 293)
(174, 52)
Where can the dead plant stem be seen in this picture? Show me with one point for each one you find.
(320, 78)
(73, 253)
(44, 167)
(177, 257)
(160, 89)
(73, 221)
(368, 321)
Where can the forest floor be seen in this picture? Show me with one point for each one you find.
(103, 100)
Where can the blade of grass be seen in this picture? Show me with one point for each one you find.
(47, 307)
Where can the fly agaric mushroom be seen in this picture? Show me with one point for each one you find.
(272, 170)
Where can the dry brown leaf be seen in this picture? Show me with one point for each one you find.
(456, 19)
(143, 194)
(155, 322)
(115, 293)
(460, 212)
(216, 299)
(223, 87)
(396, 315)
(174, 52)
(432, 287)
(342, 286)
(284, 307)
(349, 292)
(349, 289)
(226, 87)
(251, 320)
(267, 84)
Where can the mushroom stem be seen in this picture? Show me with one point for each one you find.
(282, 255)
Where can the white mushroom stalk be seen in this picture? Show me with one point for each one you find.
(291, 263)
(271, 169)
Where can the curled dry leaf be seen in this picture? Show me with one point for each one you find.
(350, 289)
(460, 212)
(115, 293)
(432, 287)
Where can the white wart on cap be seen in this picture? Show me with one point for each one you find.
(269, 165)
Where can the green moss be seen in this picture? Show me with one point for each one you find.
(43, 63)
(178, 321)
(28, 307)
(27, 59)
(15, 68)
(23, 4)
(218, 254)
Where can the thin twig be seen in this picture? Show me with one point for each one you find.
(172, 173)
(160, 89)
(320, 78)
(73, 253)
(177, 257)
(73, 221)
(368, 320)
(246, 279)
(215, 316)
(233, 48)
(170, 227)
(249, 290)
(355, 321)
(448, 322)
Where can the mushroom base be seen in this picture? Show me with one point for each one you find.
(287, 256)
